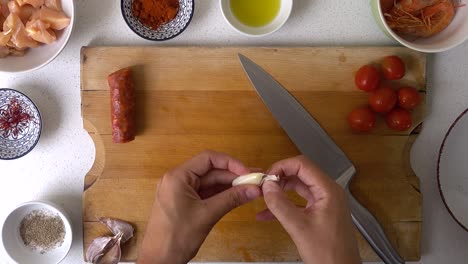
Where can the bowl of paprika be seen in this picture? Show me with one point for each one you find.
(157, 20)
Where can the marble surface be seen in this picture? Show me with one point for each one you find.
(55, 169)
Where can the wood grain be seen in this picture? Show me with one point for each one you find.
(193, 98)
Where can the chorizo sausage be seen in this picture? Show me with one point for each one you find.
(122, 95)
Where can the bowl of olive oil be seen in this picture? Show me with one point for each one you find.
(256, 17)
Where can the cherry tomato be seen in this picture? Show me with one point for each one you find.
(393, 68)
(399, 119)
(383, 100)
(361, 119)
(408, 98)
(367, 78)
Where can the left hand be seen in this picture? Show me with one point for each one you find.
(189, 201)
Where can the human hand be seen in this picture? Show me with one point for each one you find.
(190, 200)
(322, 231)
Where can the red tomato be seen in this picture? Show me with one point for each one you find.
(361, 119)
(393, 68)
(367, 78)
(383, 100)
(399, 119)
(408, 98)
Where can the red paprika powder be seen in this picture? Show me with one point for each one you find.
(153, 13)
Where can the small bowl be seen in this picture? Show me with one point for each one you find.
(276, 24)
(37, 58)
(11, 146)
(13, 242)
(166, 31)
(455, 34)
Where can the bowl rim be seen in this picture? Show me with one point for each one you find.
(72, 26)
(40, 125)
(407, 43)
(163, 39)
(45, 204)
(438, 169)
(256, 35)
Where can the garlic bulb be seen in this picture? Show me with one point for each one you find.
(254, 178)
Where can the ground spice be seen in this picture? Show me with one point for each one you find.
(153, 13)
(42, 230)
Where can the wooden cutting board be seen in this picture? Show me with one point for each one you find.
(192, 98)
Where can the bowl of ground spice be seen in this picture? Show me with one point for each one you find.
(158, 20)
(37, 232)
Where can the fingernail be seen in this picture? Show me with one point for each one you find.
(252, 193)
(270, 186)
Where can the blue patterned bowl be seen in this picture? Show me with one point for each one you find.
(166, 31)
(18, 139)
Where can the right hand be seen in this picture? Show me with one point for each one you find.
(322, 231)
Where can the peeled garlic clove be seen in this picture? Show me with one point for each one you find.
(98, 248)
(114, 253)
(117, 226)
(254, 178)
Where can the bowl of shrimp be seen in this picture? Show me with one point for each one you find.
(429, 26)
(33, 33)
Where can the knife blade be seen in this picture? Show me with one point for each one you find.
(313, 142)
(301, 127)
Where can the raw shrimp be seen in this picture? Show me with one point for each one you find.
(407, 20)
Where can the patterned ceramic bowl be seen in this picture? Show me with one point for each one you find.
(166, 31)
(20, 124)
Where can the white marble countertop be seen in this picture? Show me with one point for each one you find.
(55, 169)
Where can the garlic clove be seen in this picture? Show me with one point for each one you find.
(113, 255)
(254, 178)
(98, 248)
(117, 226)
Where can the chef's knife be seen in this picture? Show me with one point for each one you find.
(314, 143)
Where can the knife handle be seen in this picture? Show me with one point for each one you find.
(373, 232)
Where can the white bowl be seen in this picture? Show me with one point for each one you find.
(455, 34)
(277, 23)
(13, 242)
(39, 57)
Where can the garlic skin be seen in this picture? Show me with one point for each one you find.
(98, 248)
(112, 256)
(117, 226)
(256, 178)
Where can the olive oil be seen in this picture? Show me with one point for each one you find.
(255, 13)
